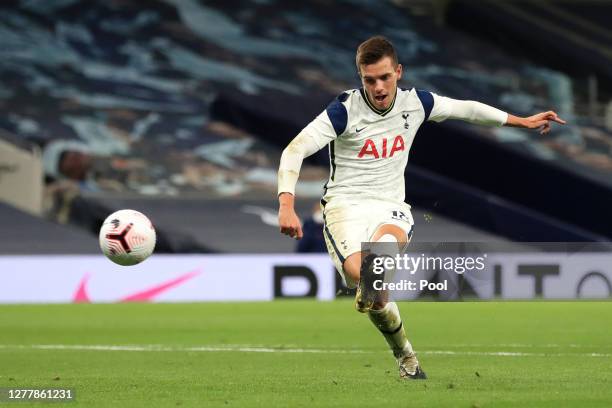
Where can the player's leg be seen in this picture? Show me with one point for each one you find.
(358, 268)
(383, 314)
(344, 231)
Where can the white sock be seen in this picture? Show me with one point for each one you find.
(389, 322)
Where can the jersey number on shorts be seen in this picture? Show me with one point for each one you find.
(399, 215)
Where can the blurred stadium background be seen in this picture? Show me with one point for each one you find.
(180, 109)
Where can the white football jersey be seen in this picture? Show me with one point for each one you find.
(369, 149)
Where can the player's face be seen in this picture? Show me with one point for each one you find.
(380, 81)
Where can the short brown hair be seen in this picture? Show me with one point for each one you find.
(373, 50)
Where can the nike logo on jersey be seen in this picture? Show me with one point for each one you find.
(370, 149)
(357, 130)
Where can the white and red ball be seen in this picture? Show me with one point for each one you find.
(127, 237)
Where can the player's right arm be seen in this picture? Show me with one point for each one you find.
(288, 221)
(302, 146)
(314, 137)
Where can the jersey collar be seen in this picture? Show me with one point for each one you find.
(364, 95)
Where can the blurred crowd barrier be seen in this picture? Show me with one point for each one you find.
(189, 278)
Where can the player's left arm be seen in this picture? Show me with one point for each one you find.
(479, 113)
(540, 121)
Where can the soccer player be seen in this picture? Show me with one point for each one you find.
(369, 132)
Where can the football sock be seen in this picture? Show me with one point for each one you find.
(389, 322)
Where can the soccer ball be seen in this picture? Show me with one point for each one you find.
(127, 237)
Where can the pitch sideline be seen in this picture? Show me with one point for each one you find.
(245, 348)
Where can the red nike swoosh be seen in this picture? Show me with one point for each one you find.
(81, 295)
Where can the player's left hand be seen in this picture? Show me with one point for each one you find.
(542, 121)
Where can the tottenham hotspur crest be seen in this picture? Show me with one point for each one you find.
(405, 116)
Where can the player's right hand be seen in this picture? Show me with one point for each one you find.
(289, 222)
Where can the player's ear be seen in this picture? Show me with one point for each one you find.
(398, 70)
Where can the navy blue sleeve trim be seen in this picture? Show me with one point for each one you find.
(337, 113)
(427, 101)
(343, 96)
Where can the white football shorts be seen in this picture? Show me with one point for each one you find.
(348, 225)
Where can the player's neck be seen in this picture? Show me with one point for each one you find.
(373, 107)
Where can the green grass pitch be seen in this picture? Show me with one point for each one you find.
(307, 353)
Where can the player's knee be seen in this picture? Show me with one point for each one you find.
(387, 238)
(352, 270)
(390, 233)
